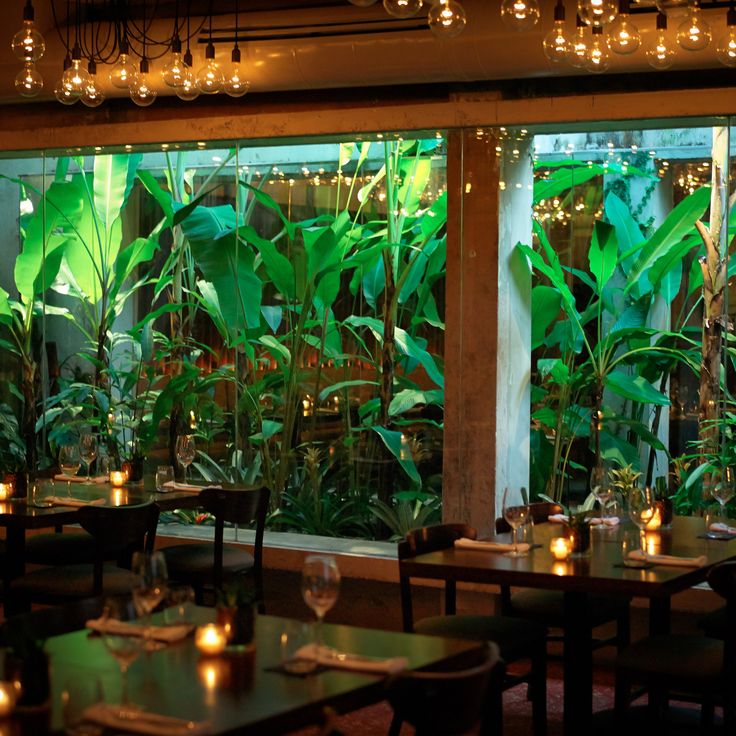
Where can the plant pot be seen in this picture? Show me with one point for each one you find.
(134, 468)
(579, 535)
(239, 623)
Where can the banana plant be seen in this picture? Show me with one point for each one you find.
(603, 342)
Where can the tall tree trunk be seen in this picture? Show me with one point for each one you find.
(388, 351)
(28, 428)
(714, 269)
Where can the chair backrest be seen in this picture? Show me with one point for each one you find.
(538, 513)
(237, 506)
(423, 541)
(447, 702)
(722, 578)
(124, 529)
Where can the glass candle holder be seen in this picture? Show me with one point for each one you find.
(118, 478)
(560, 547)
(210, 639)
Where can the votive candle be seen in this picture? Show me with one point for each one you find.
(8, 694)
(560, 547)
(6, 491)
(117, 478)
(210, 639)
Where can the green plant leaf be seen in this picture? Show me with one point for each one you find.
(340, 385)
(278, 267)
(397, 445)
(628, 232)
(635, 388)
(545, 310)
(269, 202)
(409, 398)
(603, 253)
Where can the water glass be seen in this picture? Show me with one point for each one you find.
(164, 475)
(516, 513)
(320, 588)
(186, 451)
(632, 541)
(294, 636)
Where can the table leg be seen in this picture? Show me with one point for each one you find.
(15, 552)
(659, 615)
(578, 664)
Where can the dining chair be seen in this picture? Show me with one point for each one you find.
(518, 640)
(207, 565)
(689, 667)
(61, 547)
(447, 702)
(548, 606)
(125, 529)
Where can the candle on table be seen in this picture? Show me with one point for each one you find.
(210, 639)
(117, 478)
(6, 491)
(560, 547)
(8, 694)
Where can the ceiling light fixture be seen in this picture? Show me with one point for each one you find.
(521, 15)
(660, 54)
(726, 49)
(694, 33)
(623, 36)
(557, 45)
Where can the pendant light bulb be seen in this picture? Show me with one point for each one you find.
(92, 96)
(28, 82)
(694, 33)
(142, 91)
(210, 79)
(123, 71)
(557, 45)
(173, 71)
(674, 8)
(76, 77)
(579, 45)
(447, 19)
(597, 55)
(28, 44)
(188, 89)
(521, 15)
(402, 8)
(236, 85)
(660, 54)
(63, 93)
(597, 13)
(726, 49)
(623, 36)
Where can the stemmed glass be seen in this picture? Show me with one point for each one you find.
(601, 487)
(69, 463)
(88, 450)
(124, 648)
(186, 451)
(723, 488)
(641, 510)
(516, 513)
(150, 590)
(320, 586)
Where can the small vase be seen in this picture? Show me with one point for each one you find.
(579, 534)
(239, 624)
(666, 510)
(134, 468)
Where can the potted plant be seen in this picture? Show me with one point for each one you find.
(663, 500)
(12, 452)
(236, 605)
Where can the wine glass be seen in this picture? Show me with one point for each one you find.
(722, 487)
(601, 487)
(185, 451)
(69, 463)
(641, 510)
(124, 648)
(516, 513)
(320, 586)
(150, 590)
(88, 450)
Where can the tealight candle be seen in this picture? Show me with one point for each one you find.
(6, 491)
(210, 639)
(117, 478)
(8, 695)
(560, 547)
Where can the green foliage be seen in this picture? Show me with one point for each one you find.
(407, 510)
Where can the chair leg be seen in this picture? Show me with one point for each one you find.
(395, 727)
(491, 721)
(538, 687)
(623, 631)
(621, 698)
(707, 712)
(658, 703)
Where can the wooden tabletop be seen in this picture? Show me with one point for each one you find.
(601, 571)
(242, 695)
(19, 513)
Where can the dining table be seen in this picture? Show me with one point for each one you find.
(21, 515)
(240, 692)
(600, 571)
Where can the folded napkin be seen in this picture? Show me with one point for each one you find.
(173, 485)
(166, 634)
(670, 560)
(329, 657)
(70, 501)
(129, 719)
(722, 528)
(488, 546)
(558, 518)
(605, 521)
(80, 478)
